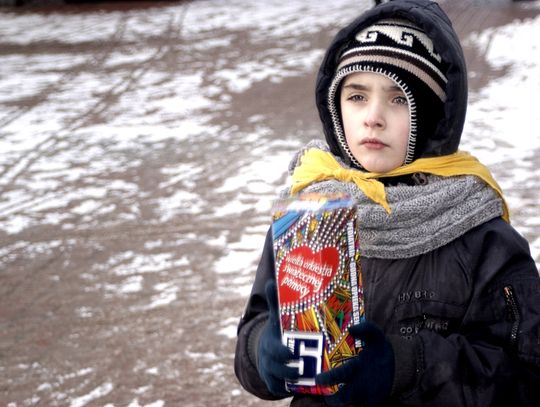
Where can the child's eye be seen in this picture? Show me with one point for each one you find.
(400, 100)
(356, 98)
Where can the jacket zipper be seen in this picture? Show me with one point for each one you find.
(512, 313)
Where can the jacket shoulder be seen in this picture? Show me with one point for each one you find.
(497, 234)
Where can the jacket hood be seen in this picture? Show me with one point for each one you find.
(430, 18)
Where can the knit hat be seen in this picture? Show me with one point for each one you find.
(403, 52)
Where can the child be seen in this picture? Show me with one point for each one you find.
(452, 295)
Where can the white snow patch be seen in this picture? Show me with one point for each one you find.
(501, 116)
(95, 394)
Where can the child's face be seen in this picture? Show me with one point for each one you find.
(375, 116)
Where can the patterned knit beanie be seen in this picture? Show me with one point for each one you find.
(404, 53)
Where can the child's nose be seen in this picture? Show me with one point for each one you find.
(374, 115)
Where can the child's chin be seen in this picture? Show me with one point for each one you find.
(378, 167)
(379, 161)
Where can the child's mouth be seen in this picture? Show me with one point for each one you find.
(373, 144)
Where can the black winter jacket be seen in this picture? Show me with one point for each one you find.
(467, 314)
(463, 319)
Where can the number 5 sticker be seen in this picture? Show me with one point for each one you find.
(307, 348)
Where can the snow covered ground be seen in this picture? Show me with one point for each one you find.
(141, 149)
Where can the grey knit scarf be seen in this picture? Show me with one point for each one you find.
(424, 217)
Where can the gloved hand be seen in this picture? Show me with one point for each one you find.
(366, 378)
(273, 355)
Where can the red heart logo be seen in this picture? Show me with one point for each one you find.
(304, 276)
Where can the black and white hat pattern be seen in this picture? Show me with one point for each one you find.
(404, 53)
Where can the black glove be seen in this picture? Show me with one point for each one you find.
(366, 378)
(273, 355)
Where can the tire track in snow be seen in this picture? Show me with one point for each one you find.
(41, 97)
(11, 173)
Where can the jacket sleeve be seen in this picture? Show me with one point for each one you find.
(251, 325)
(494, 356)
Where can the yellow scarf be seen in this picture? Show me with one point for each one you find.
(317, 165)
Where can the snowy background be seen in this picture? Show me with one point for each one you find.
(140, 150)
